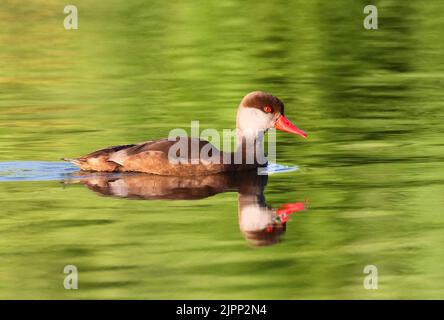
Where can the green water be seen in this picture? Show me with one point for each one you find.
(371, 101)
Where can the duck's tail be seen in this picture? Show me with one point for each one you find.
(73, 161)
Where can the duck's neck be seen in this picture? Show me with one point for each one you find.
(250, 147)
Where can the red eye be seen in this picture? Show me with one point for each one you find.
(267, 109)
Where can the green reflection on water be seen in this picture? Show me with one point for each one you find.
(372, 168)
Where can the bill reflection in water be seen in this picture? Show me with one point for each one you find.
(260, 224)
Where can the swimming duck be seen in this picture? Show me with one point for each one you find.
(257, 112)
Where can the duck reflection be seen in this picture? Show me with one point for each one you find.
(260, 224)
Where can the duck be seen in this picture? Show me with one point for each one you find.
(257, 113)
(260, 224)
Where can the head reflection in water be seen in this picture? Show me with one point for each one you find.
(260, 224)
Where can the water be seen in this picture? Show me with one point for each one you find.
(370, 172)
(35, 170)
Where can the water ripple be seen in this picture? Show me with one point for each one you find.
(47, 170)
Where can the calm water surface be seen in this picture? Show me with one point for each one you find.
(371, 170)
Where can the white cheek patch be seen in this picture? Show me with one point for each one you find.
(253, 119)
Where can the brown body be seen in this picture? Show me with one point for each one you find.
(152, 157)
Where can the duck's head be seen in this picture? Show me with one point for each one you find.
(260, 111)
